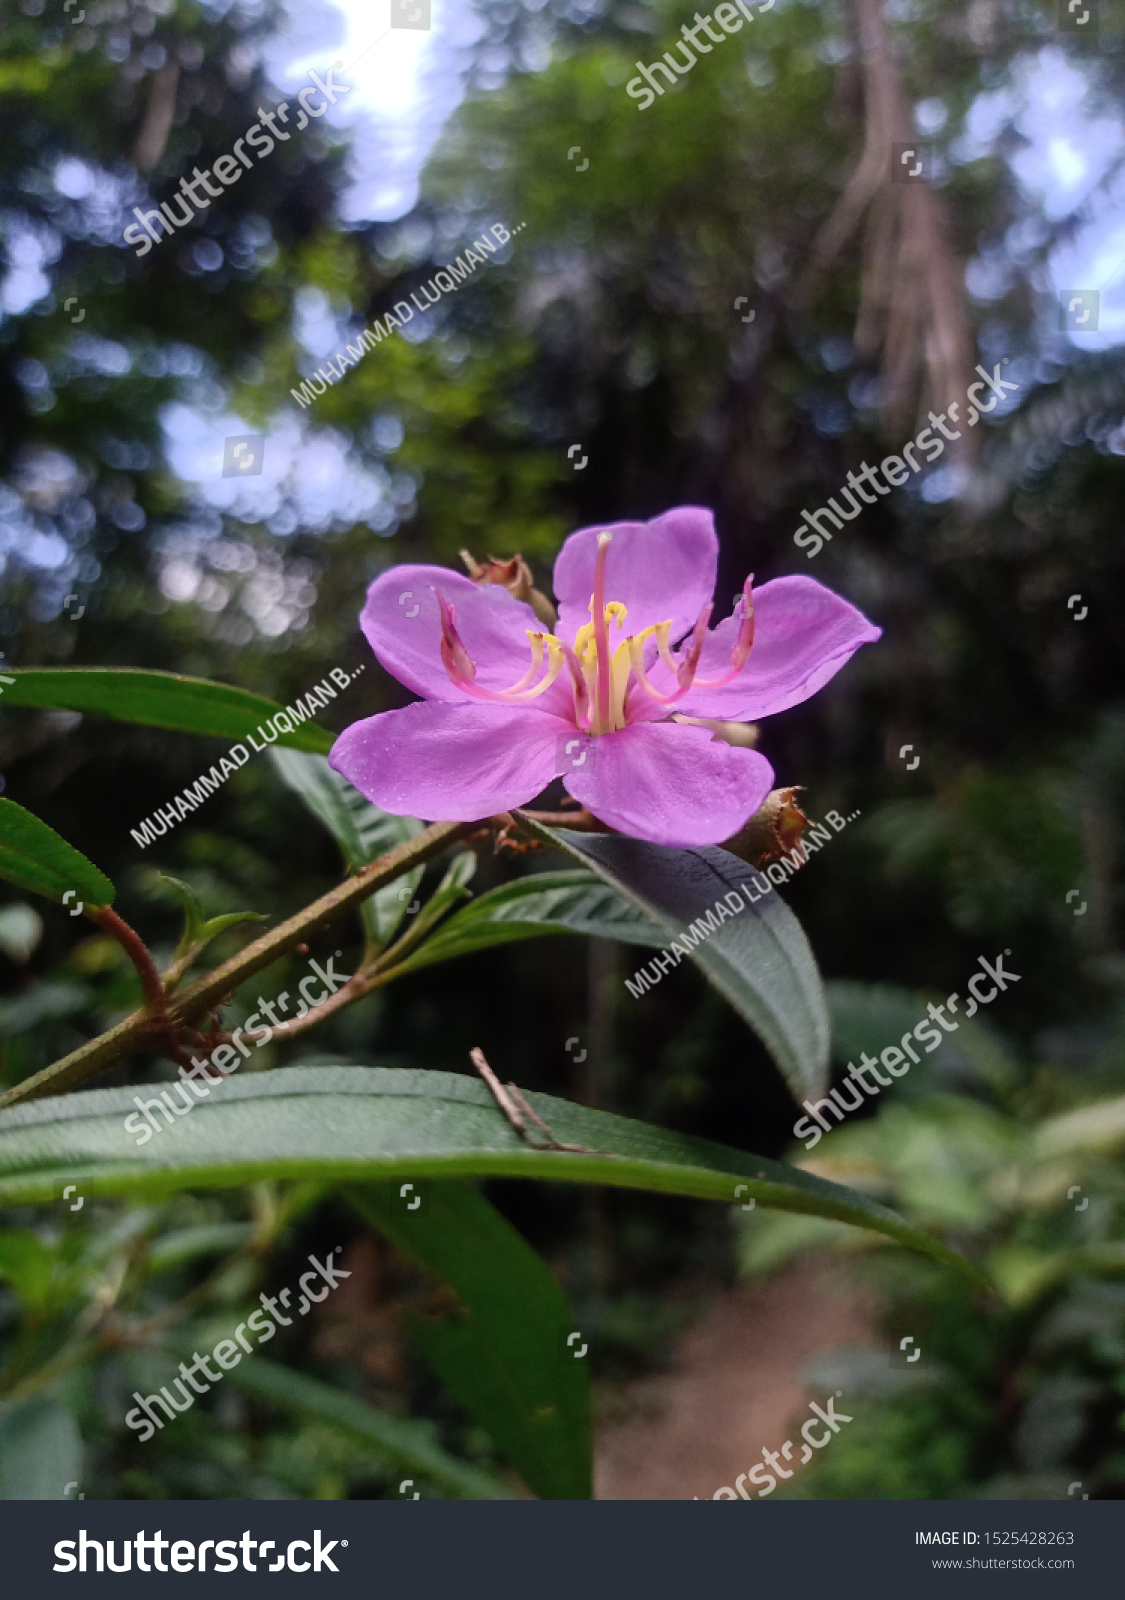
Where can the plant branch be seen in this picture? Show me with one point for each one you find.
(138, 953)
(580, 820)
(136, 1031)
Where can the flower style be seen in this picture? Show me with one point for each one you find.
(630, 656)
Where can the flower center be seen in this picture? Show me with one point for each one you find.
(601, 679)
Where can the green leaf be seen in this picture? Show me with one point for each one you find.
(505, 1355)
(759, 959)
(406, 1442)
(40, 1451)
(378, 1123)
(453, 887)
(548, 902)
(36, 857)
(159, 700)
(363, 832)
(199, 929)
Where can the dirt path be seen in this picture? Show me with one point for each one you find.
(734, 1387)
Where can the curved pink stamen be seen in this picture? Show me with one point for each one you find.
(462, 669)
(581, 689)
(742, 645)
(683, 670)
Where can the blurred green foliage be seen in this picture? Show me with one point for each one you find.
(609, 320)
(1016, 1396)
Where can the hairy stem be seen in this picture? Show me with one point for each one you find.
(579, 820)
(138, 953)
(214, 988)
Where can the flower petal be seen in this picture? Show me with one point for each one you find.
(661, 570)
(804, 634)
(403, 627)
(450, 763)
(672, 784)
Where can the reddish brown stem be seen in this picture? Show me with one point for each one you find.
(138, 953)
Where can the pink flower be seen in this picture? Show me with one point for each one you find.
(493, 729)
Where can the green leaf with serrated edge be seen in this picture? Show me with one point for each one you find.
(362, 831)
(158, 700)
(548, 902)
(378, 1123)
(34, 856)
(759, 959)
(404, 1441)
(504, 1355)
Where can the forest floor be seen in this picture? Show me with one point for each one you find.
(734, 1385)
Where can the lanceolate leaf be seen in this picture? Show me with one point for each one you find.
(759, 959)
(504, 1355)
(377, 1123)
(547, 902)
(36, 857)
(158, 699)
(452, 888)
(362, 831)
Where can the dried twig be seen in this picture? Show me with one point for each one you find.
(516, 1108)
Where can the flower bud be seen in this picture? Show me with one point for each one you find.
(773, 831)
